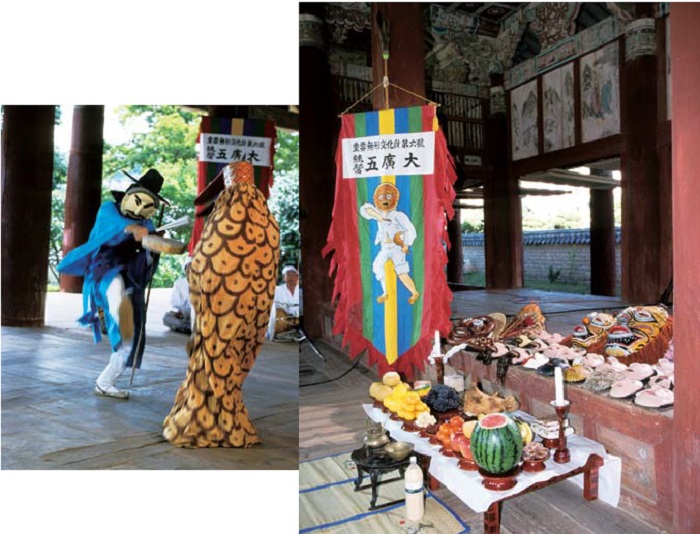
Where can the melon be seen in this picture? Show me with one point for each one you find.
(468, 428)
(496, 444)
(391, 379)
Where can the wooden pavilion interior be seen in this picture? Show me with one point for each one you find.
(514, 85)
(493, 68)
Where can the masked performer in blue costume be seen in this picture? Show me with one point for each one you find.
(117, 270)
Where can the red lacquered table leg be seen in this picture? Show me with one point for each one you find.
(434, 483)
(590, 477)
(492, 519)
(590, 484)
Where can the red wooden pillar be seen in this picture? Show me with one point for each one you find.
(84, 184)
(27, 176)
(503, 231)
(602, 242)
(318, 131)
(406, 64)
(685, 72)
(665, 155)
(641, 235)
(406, 68)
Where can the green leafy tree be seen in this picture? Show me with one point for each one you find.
(284, 196)
(165, 140)
(58, 200)
(470, 227)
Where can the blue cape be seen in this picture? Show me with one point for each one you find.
(93, 261)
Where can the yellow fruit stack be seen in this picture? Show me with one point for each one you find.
(398, 396)
(405, 403)
(379, 391)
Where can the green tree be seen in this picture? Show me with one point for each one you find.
(284, 196)
(58, 200)
(470, 227)
(165, 140)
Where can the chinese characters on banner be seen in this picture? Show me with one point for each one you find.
(229, 148)
(223, 140)
(412, 153)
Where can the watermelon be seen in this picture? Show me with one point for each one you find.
(496, 444)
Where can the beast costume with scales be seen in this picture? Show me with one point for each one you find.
(232, 282)
(116, 271)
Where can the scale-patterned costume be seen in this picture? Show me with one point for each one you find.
(232, 282)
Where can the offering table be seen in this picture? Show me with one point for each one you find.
(590, 467)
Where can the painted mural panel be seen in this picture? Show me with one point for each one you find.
(600, 94)
(523, 120)
(558, 108)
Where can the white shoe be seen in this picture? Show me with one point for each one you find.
(104, 386)
(111, 391)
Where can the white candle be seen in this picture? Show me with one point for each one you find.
(558, 386)
(436, 346)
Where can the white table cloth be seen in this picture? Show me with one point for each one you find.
(467, 484)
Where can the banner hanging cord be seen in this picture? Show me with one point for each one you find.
(415, 94)
(385, 83)
(362, 98)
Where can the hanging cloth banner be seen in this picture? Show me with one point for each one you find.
(225, 140)
(394, 185)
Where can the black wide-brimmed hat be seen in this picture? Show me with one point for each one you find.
(152, 181)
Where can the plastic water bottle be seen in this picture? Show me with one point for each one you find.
(413, 479)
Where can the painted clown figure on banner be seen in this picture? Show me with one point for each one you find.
(394, 188)
(224, 140)
(395, 233)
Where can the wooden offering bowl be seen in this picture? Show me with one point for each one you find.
(409, 426)
(533, 466)
(430, 432)
(467, 465)
(447, 451)
(502, 482)
(550, 443)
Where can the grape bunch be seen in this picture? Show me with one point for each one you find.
(442, 398)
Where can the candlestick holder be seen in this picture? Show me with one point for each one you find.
(440, 369)
(561, 454)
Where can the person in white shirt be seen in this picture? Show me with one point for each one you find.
(286, 303)
(178, 318)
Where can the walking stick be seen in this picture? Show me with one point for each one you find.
(142, 330)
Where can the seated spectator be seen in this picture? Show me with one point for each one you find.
(179, 318)
(285, 308)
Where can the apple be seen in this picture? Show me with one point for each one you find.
(465, 450)
(457, 443)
